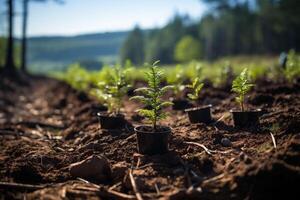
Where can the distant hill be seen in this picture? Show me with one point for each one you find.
(56, 52)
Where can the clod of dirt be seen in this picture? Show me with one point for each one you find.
(119, 171)
(26, 173)
(273, 180)
(94, 168)
(91, 145)
(259, 99)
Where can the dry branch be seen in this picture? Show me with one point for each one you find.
(134, 186)
(202, 146)
(20, 186)
(121, 195)
(225, 116)
(110, 191)
(33, 124)
(273, 140)
(209, 152)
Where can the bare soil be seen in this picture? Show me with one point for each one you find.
(45, 126)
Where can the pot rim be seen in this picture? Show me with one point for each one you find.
(106, 114)
(179, 100)
(246, 111)
(168, 129)
(198, 108)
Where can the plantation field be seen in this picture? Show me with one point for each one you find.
(52, 145)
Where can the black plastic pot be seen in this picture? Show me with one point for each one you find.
(180, 104)
(200, 114)
(149, 142)
(244, 119)
(111, 122)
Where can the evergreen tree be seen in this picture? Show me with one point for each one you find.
(133, 47)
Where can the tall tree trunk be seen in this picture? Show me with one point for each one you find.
(24, 36)
(9, 63)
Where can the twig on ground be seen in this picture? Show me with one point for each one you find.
(215, 178)
(138, 162)
(33, 124)
(202, 146)
(110, 190)
(121, 195)
(209, 152)
(157, 189)
(226, 115)
(273, 140)
(128, 138)
(20, 186)
(114, 186)
(86, 181)
(134, 186)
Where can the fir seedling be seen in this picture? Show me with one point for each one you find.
(114, 90)
(196, 87)
(241, 85)
(151, 96)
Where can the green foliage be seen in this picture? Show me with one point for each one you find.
(196, 87)
(176, 77)
(222, 75)
(187, 49)
(292, 70)
(241, 85)
(151, 96)
(160, 43)
(228, 28)
(113, 89)
(77, 77)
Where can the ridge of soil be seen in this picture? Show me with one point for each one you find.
(46, 125)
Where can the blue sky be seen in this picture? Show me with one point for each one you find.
(88, 16)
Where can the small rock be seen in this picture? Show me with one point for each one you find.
(217, 137)
(94, 168)
(226, 142)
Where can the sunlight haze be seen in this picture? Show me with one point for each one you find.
(77, 17)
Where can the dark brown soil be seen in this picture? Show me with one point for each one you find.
(45, 126)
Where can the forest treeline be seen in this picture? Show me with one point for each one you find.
(229, 27)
